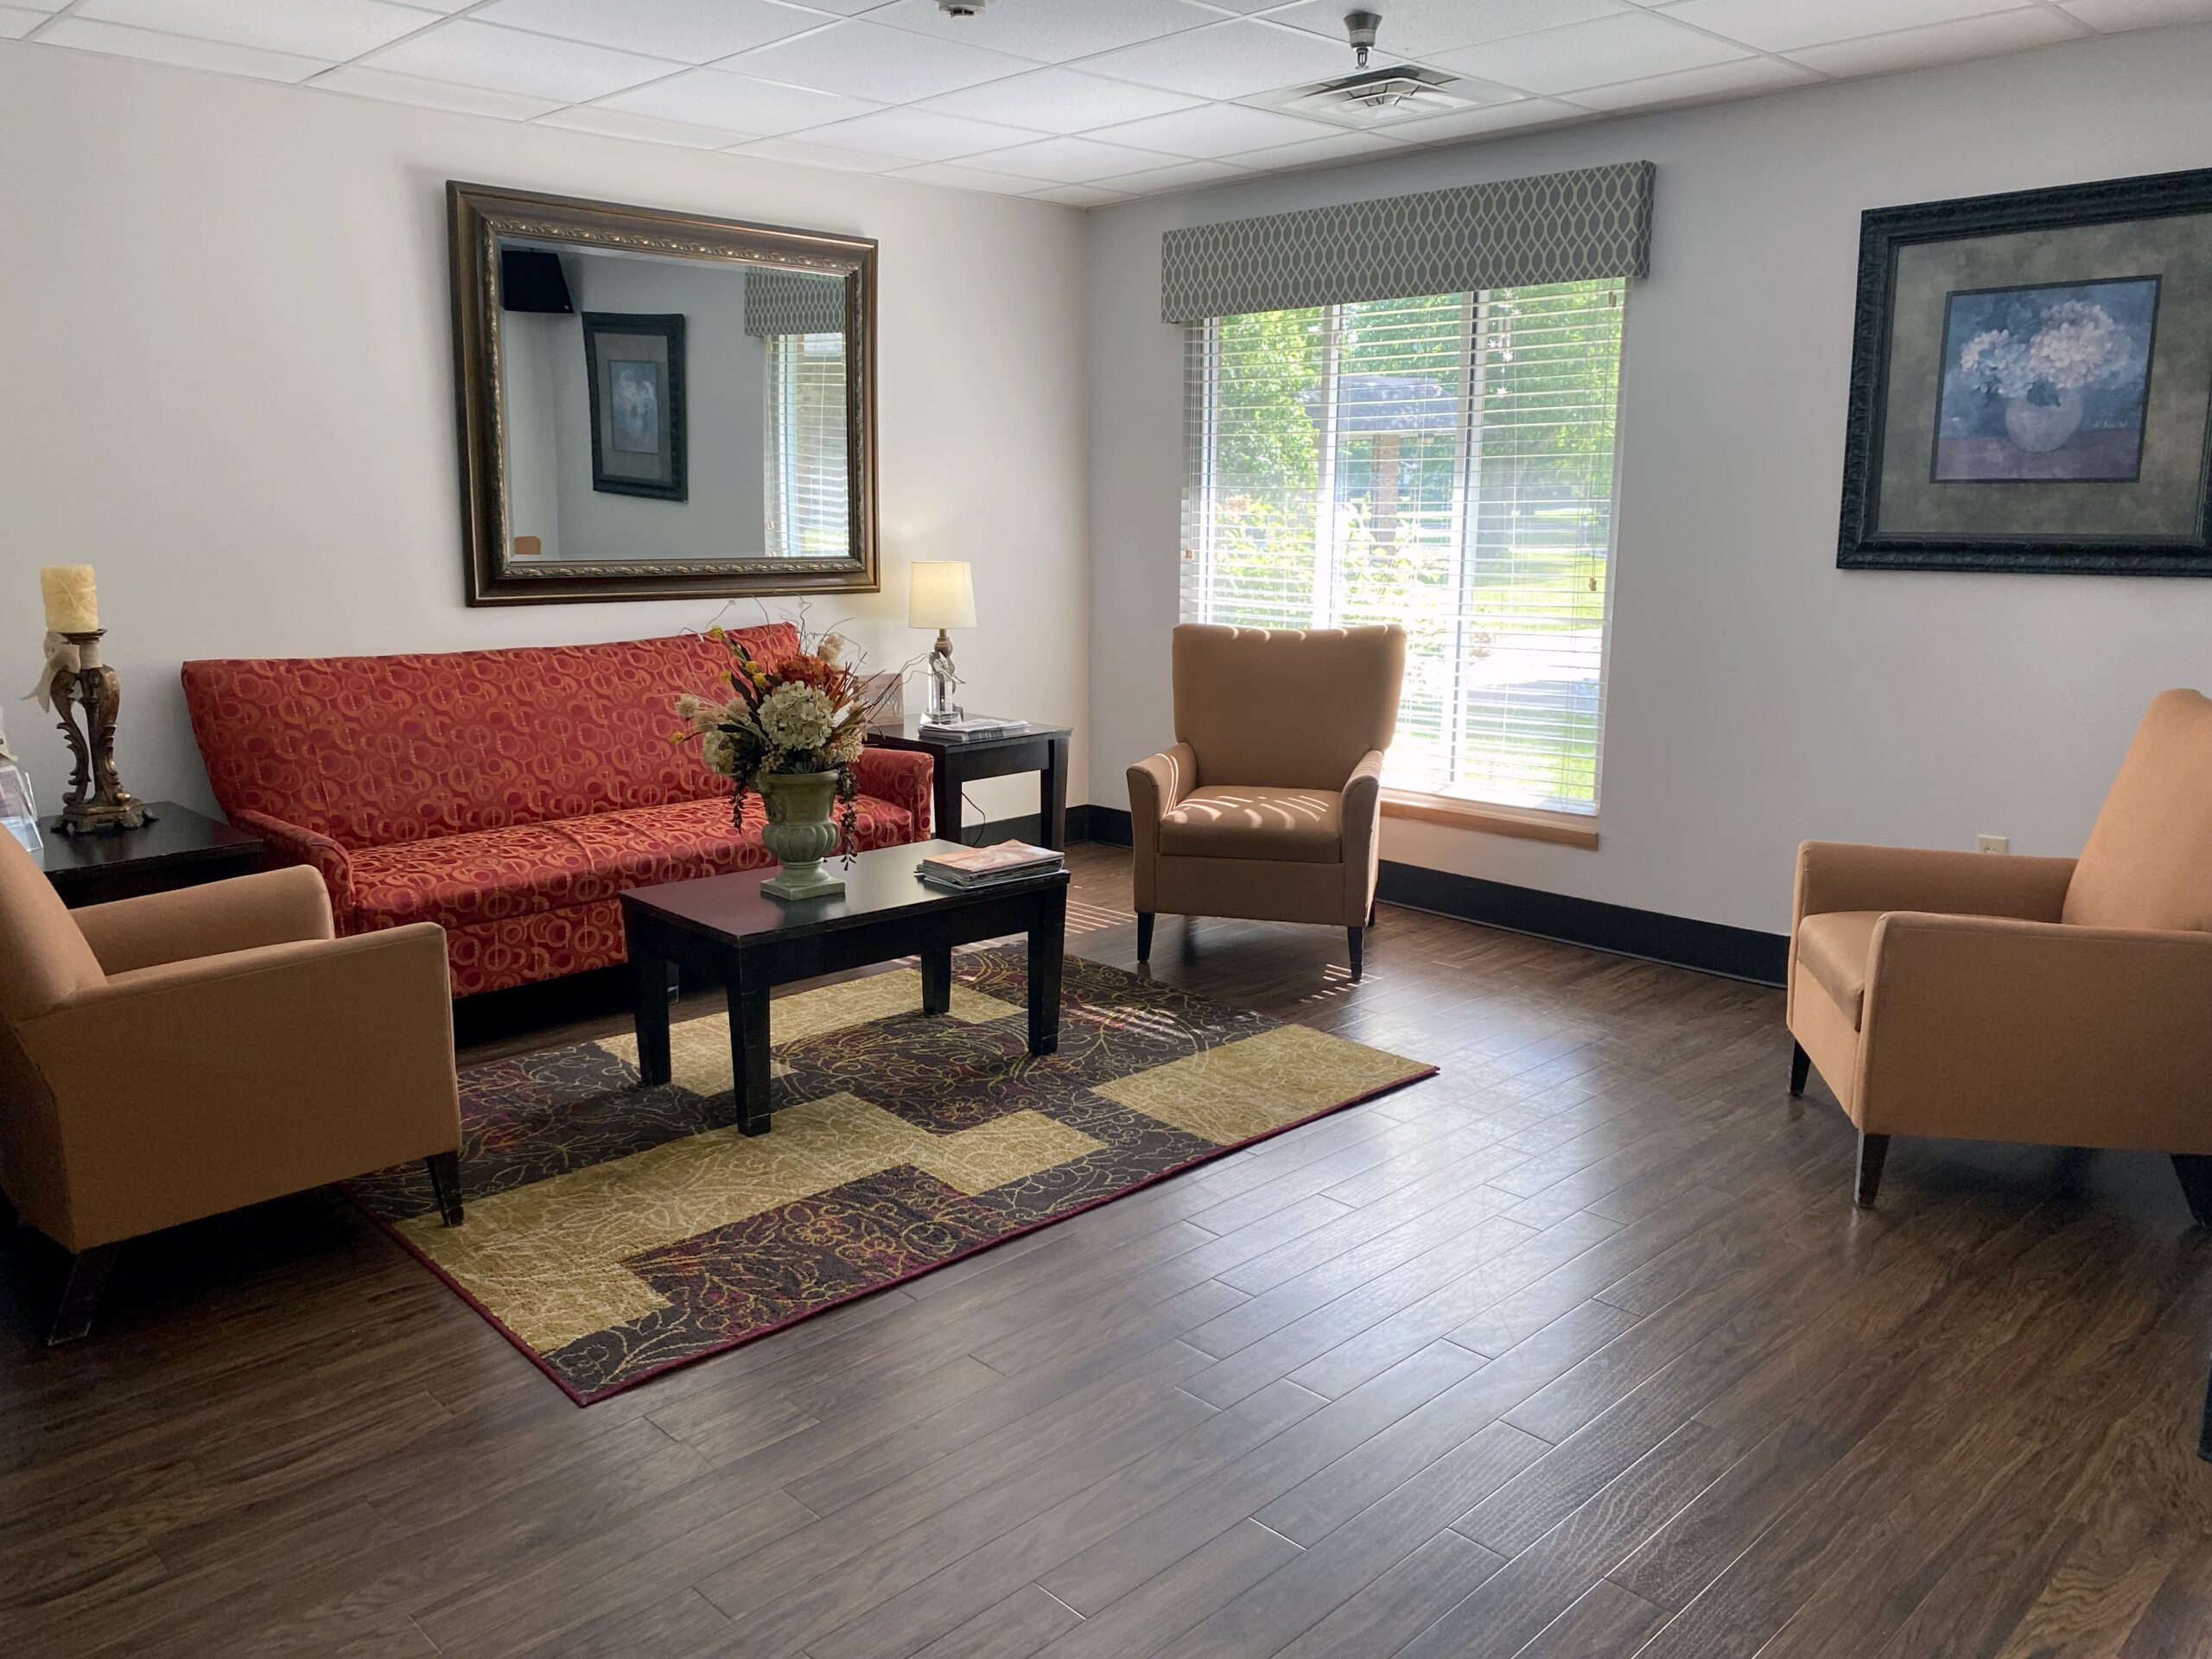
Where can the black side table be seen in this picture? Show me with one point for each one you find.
(178, 848)
(961, 760)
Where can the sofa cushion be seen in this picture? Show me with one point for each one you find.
(2148, 862)
(372, 750)
(496, 875)
(1833, 947)
(1296, 826)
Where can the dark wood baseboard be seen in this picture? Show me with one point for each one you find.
(1030, 827)
(1709, 947)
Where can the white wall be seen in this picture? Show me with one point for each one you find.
(1757, 694)
(230, 389)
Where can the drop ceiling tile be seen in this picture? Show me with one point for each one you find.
(962, 177)
(646, 129)
(917, 135)
(1417, 28)
(1214, 130)
(1079, 196)
(1911, 49)
(2139, 13)
(86, 36)
(737, 103)
(1070, 161)
(1338, 147)
(1495, 117)
(693, 31)
(864, 60)
(1782, 25)
(1233, 59)
(844, 8)
(14, 23)
(50, 7)
(333, 29)
(1595, 53)
(800, 153)
(1059, 100)
(1742, 78)
(470, 54)
(1051, 31)
(387, 88)
(1181, 176)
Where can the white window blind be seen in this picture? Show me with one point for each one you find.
(807, 467)
(1445, 462)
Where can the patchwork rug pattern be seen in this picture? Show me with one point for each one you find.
(614, 1230)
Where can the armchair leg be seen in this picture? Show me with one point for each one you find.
(1144, 936)
(1801, 1067)
(2195, 1171)
(80, 1292)
(1357, 937)
(1872, 1150)
(1373, 907)
(445, 1182)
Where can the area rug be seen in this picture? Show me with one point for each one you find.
(614, 1230)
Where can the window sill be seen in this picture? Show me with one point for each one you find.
(1529, 824)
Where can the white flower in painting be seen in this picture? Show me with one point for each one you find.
(795, 717)
(1998, 361)
(2077, 344)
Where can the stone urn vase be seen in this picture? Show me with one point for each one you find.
(801, 832)
(2041, 428)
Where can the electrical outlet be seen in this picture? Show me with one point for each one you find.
(1992, 843)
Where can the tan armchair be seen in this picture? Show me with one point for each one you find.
(171, 1057)
(1268, 806)
(2052, 1001)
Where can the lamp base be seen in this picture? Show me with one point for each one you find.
(109, 817)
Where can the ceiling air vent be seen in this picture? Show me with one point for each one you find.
(1374, 97)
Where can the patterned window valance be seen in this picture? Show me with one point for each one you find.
(1561, 227)
(792, 303)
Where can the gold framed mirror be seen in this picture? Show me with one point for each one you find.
(656, 404)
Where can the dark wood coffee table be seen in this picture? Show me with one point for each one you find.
(725, 924)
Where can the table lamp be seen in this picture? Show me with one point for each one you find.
(941, 595)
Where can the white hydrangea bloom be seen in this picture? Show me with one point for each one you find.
(796, 716)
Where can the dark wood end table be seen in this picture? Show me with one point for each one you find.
(176, 848)
(725, 924)
(961, 760)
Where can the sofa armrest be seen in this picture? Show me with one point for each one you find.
(1361, 814)
(902, 777)
(1837, 875)
(195, 1087)
(1987, 1027)
(278, 907)
(289, 843)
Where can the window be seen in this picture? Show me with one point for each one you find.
(806, 453)
(1444, 462)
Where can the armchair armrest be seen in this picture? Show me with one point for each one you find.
(1837, 875)
(278, 907)
(1157, 786)
(193, 1087)
(289, 843)
(1987, 1027)
(901, 777)
(1361, 816)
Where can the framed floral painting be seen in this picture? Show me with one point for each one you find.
(2032, 383)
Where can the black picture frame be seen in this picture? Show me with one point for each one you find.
(2011, 540)
(613, 434)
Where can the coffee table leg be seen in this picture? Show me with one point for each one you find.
(1047, 941)
(649, 976)
(937, 980)
(748, 1047)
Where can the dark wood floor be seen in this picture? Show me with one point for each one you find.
(1579, 1349)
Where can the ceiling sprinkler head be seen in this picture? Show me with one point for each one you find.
(1362, 26)
(962, 7)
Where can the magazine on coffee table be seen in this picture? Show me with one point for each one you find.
(975, 867)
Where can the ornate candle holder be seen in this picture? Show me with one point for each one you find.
(97, 800)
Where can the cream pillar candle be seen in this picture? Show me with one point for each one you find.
(71, 605)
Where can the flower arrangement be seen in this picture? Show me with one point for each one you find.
(2074, 345)
(806, 714)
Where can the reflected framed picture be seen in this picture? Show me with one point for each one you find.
(633, 371)
(2032, 383)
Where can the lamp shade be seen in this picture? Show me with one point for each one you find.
(940, 594)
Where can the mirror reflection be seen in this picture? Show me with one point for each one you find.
(660, 409)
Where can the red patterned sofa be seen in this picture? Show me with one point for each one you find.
(509, 795)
